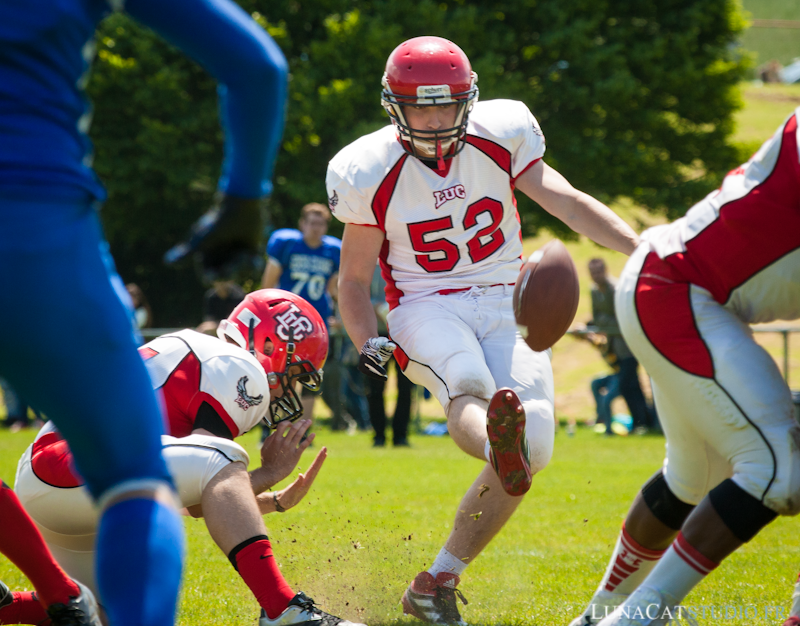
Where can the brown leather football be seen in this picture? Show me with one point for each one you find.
(546, 296)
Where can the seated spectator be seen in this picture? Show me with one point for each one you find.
(605, 388)
(142, 313)
(605, 322)
(770, 72)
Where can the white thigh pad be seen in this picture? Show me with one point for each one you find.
(445, 355)
(194, 460)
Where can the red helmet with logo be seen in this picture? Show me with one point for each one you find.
(288, 337)
(429, 71)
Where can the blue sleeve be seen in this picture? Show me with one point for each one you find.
(278, 244)
(336, 244)
(252, 74)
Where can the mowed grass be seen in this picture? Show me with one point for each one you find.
(376, 517)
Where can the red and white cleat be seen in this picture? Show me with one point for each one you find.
(505, 425)
(434, 599)
(792, 621)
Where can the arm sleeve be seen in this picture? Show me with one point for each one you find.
(275, 247)
(252, 74)
(529, 142)
(347, 203)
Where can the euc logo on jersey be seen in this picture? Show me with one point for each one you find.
(244, 399)
(293, 318)
(451, 193)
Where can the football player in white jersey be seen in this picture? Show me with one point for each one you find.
(684, 302)
(432, 197)
(214, 389)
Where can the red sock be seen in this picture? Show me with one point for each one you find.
(24, 609)
(22, 543)
(257, 567)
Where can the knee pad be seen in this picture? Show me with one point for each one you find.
(743, 514)
(664, 504)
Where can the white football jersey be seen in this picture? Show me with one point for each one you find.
(191, 368)
(742, 242)
(444, 230)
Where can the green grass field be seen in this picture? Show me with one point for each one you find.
(376, 517)
(782, 44)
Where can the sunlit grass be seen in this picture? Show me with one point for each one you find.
(376, 517)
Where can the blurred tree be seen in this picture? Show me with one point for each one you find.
(635, 99)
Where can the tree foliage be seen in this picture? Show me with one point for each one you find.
(635, 99)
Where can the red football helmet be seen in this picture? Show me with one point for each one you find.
(288, 337)
(429, 71)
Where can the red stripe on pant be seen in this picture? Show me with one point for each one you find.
(664, 307)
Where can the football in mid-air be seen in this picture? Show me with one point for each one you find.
(546, 296)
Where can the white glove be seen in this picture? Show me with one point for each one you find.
(375, 354)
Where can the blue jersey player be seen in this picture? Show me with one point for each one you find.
(68, 345)
(305, 261)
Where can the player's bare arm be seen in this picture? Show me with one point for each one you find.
(272, 274)
(578, 210)
(360, 248)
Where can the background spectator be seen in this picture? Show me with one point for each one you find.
(343, 385)
(218, 302)
(142, 313)
(376, 389)
(770, 72)
(306, 261)
(605, 322)
(17, 409)
(604, 388)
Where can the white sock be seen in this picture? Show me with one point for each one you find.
(680, 569)
(629, 565)
(446, 562)
(487, 451)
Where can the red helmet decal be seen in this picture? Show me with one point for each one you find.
(291, 318)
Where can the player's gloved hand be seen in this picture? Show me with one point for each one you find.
(226, 240)
(375, 354)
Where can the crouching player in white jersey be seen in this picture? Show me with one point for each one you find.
(214, 390)
(432, 196)
(684, 302)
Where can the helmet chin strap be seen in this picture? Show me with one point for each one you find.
(251, 333)
(439, 156)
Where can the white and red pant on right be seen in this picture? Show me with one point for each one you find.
(723, 404)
